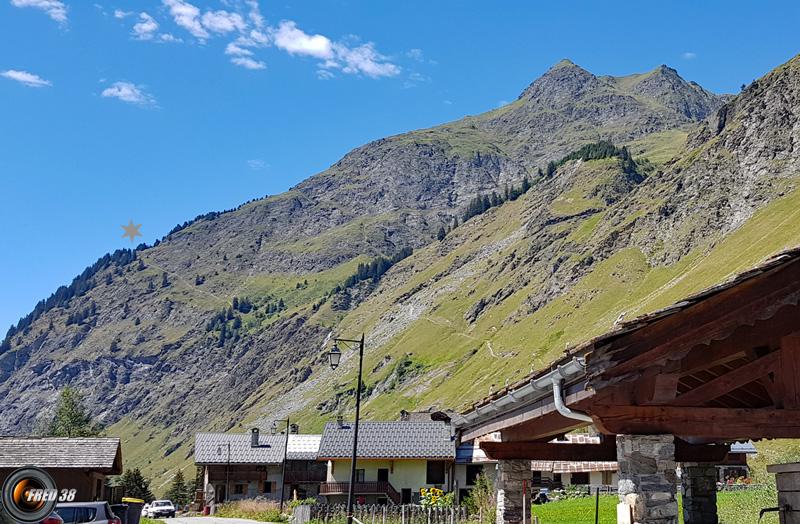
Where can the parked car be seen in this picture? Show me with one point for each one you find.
(53, 518)
(82, 512)
(161, 508)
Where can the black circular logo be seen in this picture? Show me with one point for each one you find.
(29, 495)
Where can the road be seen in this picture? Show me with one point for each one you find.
(208, 520)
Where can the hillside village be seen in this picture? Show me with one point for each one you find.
(588, 296)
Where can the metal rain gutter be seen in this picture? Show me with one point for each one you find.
(549, 381)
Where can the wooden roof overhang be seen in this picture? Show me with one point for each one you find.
(720, 366)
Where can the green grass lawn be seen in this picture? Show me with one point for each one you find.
(145, 520)
(734, 507)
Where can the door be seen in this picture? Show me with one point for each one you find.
(383, 475)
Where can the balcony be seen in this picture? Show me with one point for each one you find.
(361, 488)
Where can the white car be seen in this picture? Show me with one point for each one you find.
(160, 508)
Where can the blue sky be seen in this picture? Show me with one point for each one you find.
(158, 110)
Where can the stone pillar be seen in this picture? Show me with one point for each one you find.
(508, 491)
(647, 478)
(699, 481)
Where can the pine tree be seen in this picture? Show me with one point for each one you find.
(164, 280)
(135, 485)
(108, 279)
(140, 266)
(179, 491)
(236, 303)
(441, 234)
(71, 418)
(526, 184)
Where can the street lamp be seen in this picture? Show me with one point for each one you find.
(227, 469)
(334, 356)
(274, 431)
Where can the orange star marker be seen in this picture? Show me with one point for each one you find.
(131, 230)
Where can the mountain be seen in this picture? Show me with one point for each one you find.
(221, 324)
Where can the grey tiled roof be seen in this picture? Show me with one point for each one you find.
(212, 448)
(303, 447)
(95, 453)
(391, 440)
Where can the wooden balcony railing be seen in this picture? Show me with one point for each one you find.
(361, 488)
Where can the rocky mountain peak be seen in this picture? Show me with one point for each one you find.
(562, 83)
(667, 87)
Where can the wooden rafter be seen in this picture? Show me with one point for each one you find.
(727, 382)
(718, 424)
(605, 451)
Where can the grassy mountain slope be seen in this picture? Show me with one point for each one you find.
(162, 357)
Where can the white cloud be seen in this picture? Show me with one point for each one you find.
(235, 49)
(256, 164)
(167, 37)
(447, 102)
(501, 103)
(55, 9)
(223, 21)
(324, 74)
(415, 54)
(296, 42)
(689, 55)
(24, 77)
(364, 59)
(146, 27)
(128, 92)
(255, 14)
(258, 37)
(187, 16)
(119, 13)
(248, 63)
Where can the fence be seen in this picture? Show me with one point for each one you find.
(381, 514)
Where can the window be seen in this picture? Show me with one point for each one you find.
(608, 478)
(579, 478)
(536, 478)
(267, 486)
(359, 475)
(383, 475)
(238, 489)
(406, 493)
(435, 473)
(473, 470)
(68, 514)
(85, 514)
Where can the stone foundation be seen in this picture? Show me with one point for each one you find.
(699, 483)
(647, 477)
(511, 475)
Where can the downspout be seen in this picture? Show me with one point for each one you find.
(562, 408)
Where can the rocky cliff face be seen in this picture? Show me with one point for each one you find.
(164, 350)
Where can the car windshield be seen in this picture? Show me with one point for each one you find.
(162, 503)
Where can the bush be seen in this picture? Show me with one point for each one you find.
(261, 510)
(310, 501)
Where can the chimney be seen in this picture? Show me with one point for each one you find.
(294, 429)
(405, 416)
(254, 438)
(340, 421)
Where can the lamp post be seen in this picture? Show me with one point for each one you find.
(334, 356)
(227, 469)
(274, 430)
